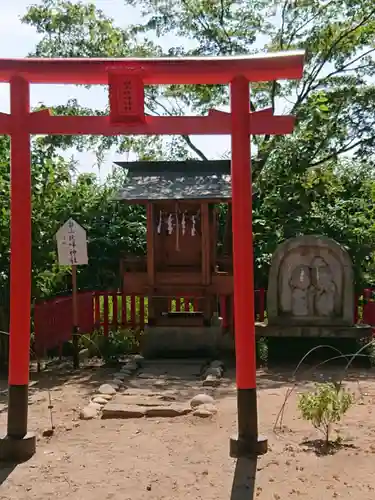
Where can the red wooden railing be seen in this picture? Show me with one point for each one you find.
(53, 322)
(368, 308)
(114, 309)
(110, 310)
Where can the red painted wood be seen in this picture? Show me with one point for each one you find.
(133, 312)
(20, 234)
(126, 98)
(369, 313)
(178, 304)
(214, 70)
(157, 71)
(141, 313)
(53, 321)
(356, 317)
(105, 314)
(53, 325)
(85, 312)
(41, 123)
(243, 271)
(97, 309)
(186, 304)
(115, 309)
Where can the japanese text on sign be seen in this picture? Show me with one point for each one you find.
(72, 244)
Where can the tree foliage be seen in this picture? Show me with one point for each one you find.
(58, 193)
(318, 180)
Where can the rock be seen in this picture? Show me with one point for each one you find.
(117, 382)
(113, 384)
(139, 359)
(211, 381)
(107, 389)
(119, 375)
(48, 433)
(168, 396)
(215, 372)
(99, 400)
(130, 366)
(115, 410)
(96, 406)
(201, 412)
(208, 407)
(126, 373)
(167, 411)
(201, 399)
(140, 400)
(216, 320)
(83, 354)
(88, 413)
(160, 383)
(107, 397)
(217, 364)
(146, 375)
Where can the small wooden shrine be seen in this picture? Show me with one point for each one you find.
(185, 258)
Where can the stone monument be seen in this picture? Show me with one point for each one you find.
(311, 291)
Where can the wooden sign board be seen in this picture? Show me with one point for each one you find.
(72, 244)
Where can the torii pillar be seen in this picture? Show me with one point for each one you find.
(126, 79)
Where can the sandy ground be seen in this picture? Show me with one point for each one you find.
(187, 457)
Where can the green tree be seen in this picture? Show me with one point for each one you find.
(317, 180)
(57, 194)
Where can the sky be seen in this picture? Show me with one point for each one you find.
(18, 40)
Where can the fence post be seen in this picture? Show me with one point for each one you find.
(106, 314)
(115, 309)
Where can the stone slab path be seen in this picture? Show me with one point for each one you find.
(155, 390)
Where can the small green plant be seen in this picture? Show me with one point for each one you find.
(367, 348)
(325, 406)
(262, 351)
(116, 345)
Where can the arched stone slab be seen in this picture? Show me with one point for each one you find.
(310, 283)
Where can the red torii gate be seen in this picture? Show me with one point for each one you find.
(126, 79)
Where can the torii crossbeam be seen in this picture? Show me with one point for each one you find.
(126, 79)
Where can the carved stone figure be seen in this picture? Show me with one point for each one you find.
(310, 282)
(302, 291)
(325, 289)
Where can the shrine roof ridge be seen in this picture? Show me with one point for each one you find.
(188, 168)
(163, 70)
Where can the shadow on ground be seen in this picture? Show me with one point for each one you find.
(243, 487)
(321, 448)
(5, 471)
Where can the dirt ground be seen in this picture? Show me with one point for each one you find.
(187, 457)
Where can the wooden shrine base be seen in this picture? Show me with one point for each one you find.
(180, 341)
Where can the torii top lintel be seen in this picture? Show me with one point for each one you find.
(157, 71)
(126, 79)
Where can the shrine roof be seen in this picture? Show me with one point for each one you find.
(181, 180)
